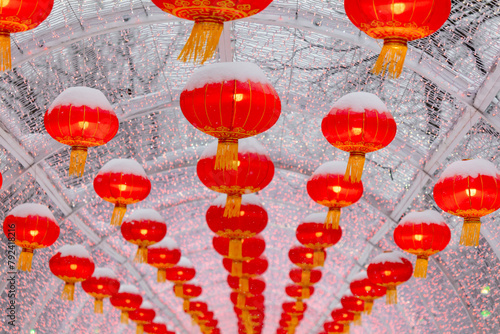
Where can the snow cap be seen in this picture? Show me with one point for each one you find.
(184, 262)
(331, 168)
(81, 96)
(167, 243)
(360, 276)
(359, 101)
(100, 272)
(393, 256)
(318, 217)
(146, 304)
(470, 168)
(145, 214)
(74, 250)
(125, 166)
(423, 217)
(249, 199)
(32, 209)
(159, 320)
(250, 145)
(128, 288)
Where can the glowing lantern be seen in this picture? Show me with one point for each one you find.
(122, 182)
(256, 286)
(363, 288)
(303, 257)
(197, 308)
(81, 117)
(72, 264)
(305, 277)
(469, 189)
(187, 292)
(299, 292)
(355, 305)
(333, 327)
(251, 249)
(250, 268)
(102, 284)
(291, 308)
(291, 320)
(30, 226)
(157, 326)
(396, 23)
(163, 255)
(126, 300)
(422, 234)
(343, 317)
(358, 123)
(390, 269)
(251, 303)
(142, 316)
(179, 274)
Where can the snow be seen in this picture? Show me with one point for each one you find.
(424, 217)
(348, 294)
(125, 166)
(360, 276)
(81, 96)
(331, 168)
(104, 272)
(250, 145)
(145, 214)
(470, 168)
(359, 101)
(184, 262)
(393, 257)
(32, 209)
(167, 243)
(249, 199)
(146, 305)
(219, 72)
(316, 218)
(159, 320)
(74, 250)
(128, 288)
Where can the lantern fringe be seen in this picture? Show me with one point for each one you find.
(179, 290)
(421, 266)
(185, 305)
(306, 292)
(202, 42)
(470, 231)
(118, 214)
(142, 255)
(295, 321)
(161, 277)
(77, 160)
(368, 306)
(391, 296)
(291, 330)
(237, 268)
(5, 58)
(233, 206)
(244, 284)
(25, 259)
(140, 329)
(227, 155)
(240, 300)
(305, 277)
(347, 328)
(391, 58)
(235, 249)
(299, 305)
(332, 218)
(357, 319)
(319, 258)
(124, 317)
(98, 306)
(355, 166)
(68, 291)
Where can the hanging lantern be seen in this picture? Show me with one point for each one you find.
(256, 286)
(179, 274)
(328, 187)
(358, 123)
(299, 292)
(197, 308)
(305, 277)
(251, 249)
(30, 226)
(390, 269)
(187, 292)
(469, 189)
(303, 257)
(157, 326)
(249, 268)
(102, 284)
(251, 303)
(142, 316)
(19, 16)
(144, 228)
(291, 320)
(343, 317)
(422, 234)
(313, 234)
(291, 308)
(208, 325)
(333, 327)
(355, 305)
(81, 117)
(363, 288)
(126, 300)
(72, 264)
(163, 255)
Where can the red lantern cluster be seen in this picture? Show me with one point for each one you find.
(163, 255)
(102, 284)
(363, 288)
(127, 299)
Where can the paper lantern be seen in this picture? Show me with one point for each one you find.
(197, 308)
(122, 182)
(163, 255)
(303, 257)
(251, 249)
(145, 314)
(81, 117)
(363, 288)
(469, 189)
(102, 284)
(127, 299)
(292, 320)
(291, 308)
(358, 123)
(179, 274)
(333, 327)
(422, 234)
(72, 264)
(250, 268)
(305, 277)
(355, 305)
(396, 23)
(256, 286)
(157, 326)
(299, 292)
(30, 226)
(187, 292)
(343, 317)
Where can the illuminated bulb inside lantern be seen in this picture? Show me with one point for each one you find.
(4, 3)
(309, 255)
(127, 301)
(141, 314)
(163, 256)
(33, 233)
(180, 272)
(188, 290)
(238, 97)
(470, 192)
(418, 237)
(73, 266)
(319, 234)
(356, 131)
(122, 187)
(387, 273)
(83, 124)
(359, 302)
(336, 189)
(144, 231)
(398, 8)
(242, 213)
(368, 288)
(100, 286)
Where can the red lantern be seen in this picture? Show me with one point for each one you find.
(292, 309)
(19, 16)
(396, 23)
(358, 123)
(30, 226)
(422, 234)
(334, 328)
(251, 303)
(299, 292)
(181, 273)
(142, 316)
(102, 284)
(187, 292)
(390, 269)
(144, 228)
(81, 117)
(303, 257)
(291, 320)
(256, 286)
(343, 317)
(163, 255)
(363, 288)
(469, 189)
(251, 249)
(197, 308)
(328, 187)
(72, 264)
(355, 305)
(157, 326)
(122, 182)
(305, 277)
(250, 268)
(126, 300)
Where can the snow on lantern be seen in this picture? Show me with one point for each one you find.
(102, 284)
(251, 249)
(157, 326)
(127, 299)
(163, 255)
(363, 288)
(179, 274)
(145, 314)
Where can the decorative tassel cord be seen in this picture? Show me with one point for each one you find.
(319, 258)
(391, 58)
(470, 231)
(5, 60)
(235, 249)
(233, 206)
(124, 317)
(368, 306)
(140, 329)
(118, 214)
(421, 266)
(202, 42)
(77, 160)
(299, 305)
(25, 259)
(332, 218)
(68, 291)
(179, 290)
(142, 255)
(305, 277)
(185, 305)
(357, 319)
(161, 277)
(227, 155)
(237, 268)
(98, 306)
(244, 284)
(240, 301)
(355, 167)
(391, 296)
(306, 292)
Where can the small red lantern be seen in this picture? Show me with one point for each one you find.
(363, 288)
(299, 292)
(81, 117)
(163, 255)
(144, 228)
(469, 189)
(333, 327)
(30, 226)
(343, 317)
(303, 257)
(251, 303)
(189, 291)
(328, 187)
(157, 326)
(197, 308)
(102, 284)
(358, 123)
(126, 300)
(305, 277)
(291, 308)
(71, 263)
(145, 314)
(291, 320)
(422, 234)
(181, 273)
(256, 286)
(355, 305)
(250, 268)
(251, 249)
(122, 182)
(390, 269)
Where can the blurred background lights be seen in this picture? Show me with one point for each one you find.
(485, 290)
(485, 313)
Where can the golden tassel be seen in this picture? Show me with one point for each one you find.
(235, 249)
(291, 330)
(202, 42)
(391, 296)
(357, 319)
(118, 214)
(332, 218)
(227, 154)
(305, 277)
(140, 329)
(179, 290)
(295, 321)
(124, 317)
(470, 231)
(368, 306)
(5, 58)
(244, 284)
(233, 206)
(161, 277)
(185, 305)
(245, 316)
(319, 258)
(25, 259)
(391, 58)
(68, 291)
(355, 167)
(347, 328)
(299, 305)
(98, 306)
(237, 268)
(421, 266)
(240, 300)
(306, 292)
(142, 255)
(77, 160)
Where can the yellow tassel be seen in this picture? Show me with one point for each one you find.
(235, 249)
(357, 319)
(391, 58)
(227, 154)
(118, 214)
(305, 277)
(202, 42)
(124, 317)
(245, 316)
(391, 296)
(332, 218)
(68, 291)
(470, 231)
(368, 306)
(240, 300)
(319, 258)
(237, 268)
(346, 328)
(233, 206)
(25, 259)
(299, 305)
(421, 266)
(179, 290)
(185, 305)
(244, 284)
(161, 277)
(355, 167)
(295, 321)
(77, 160)
(98, 306)
(5, 60)
(306, 292)
(142, 255)
(291, 330)
(140, 329)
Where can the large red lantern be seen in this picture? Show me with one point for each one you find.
(358, 123)
(328, 187)
(353, 304)
(157, 326)
(30, 226)
(363, 288)
(250, 268)
(145, 314)
(396, 23)
(187, 292)
(163, 255)
(122, 182)
(127, 299)
(469, 189)
(305, 277)
(144, 227)
(251, 249)
(390, 269)
(181, 273)
(81, 117)
(102, 284)
(72, 264)
(18, 16)
(422, 234)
